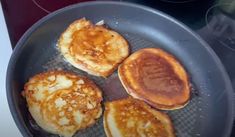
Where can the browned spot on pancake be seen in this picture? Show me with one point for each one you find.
(87, 38)
(157, 75)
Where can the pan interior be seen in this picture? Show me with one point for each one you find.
(142, 28)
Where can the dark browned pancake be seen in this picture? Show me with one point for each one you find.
(156, 77)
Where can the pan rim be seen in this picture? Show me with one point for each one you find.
(20, 46)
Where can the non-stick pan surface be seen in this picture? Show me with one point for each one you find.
(209, 113)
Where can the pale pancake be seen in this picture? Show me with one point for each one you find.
(134, 118)
(63, 103)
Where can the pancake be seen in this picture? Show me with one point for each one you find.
(156, 77)
(134, 118)
(63, 103)
(93, 48)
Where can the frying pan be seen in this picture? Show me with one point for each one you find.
(210, 111)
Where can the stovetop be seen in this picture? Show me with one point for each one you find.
(219, 33)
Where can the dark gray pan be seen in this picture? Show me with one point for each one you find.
(210, 111)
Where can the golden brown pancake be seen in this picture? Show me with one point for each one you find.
(93, 48)
(134, 118)
(63, 103)
(156, 77)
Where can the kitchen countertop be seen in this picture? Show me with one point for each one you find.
(7, 127)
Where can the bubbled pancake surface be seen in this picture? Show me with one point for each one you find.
(134, 118)
(62, 102)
